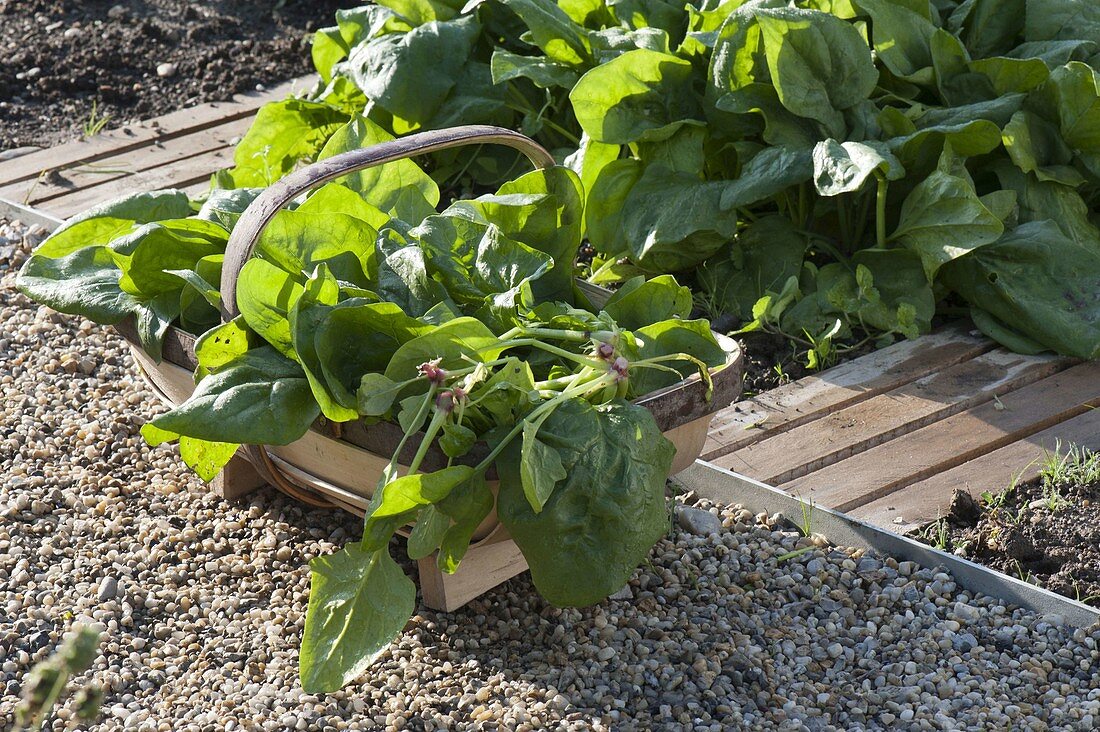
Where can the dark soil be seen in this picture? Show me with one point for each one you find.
(772, 360)
(1046, 532)
(58, 57)
(769, 361)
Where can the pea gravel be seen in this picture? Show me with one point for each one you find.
(203, 602)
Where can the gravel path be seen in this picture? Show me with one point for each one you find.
(203, 602)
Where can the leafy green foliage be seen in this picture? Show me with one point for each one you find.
(284, 134)
(641, 95)
(943, 218)
(400, 188)
(359, 601)
(1039, 283)
(258, 398)
(606, 507)
(639, 302)
(765, 255)
(130, 276)
(866, 124)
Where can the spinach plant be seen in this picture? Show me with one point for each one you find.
(463, 327)
(832, 170)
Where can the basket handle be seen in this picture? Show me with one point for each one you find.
(261, 211)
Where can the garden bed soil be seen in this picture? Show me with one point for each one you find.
(59, 57)
(1046, 532)
(770, 361)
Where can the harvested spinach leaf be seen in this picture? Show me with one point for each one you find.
(607, 507)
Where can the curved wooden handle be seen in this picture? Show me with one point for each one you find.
(259, 213)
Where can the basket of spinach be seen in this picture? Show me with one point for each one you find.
(338, 296)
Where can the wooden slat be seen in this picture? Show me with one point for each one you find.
(482, 569)
(237, 479)
(796, 403)
(195, 190)
(178, 175)
(943, 445)
(139, 134)
(38, 192)
(838, 434)
(930, 499)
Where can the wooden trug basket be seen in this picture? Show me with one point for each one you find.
(338, 465)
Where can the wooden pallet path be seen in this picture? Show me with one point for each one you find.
(177, 150)
(889, 437)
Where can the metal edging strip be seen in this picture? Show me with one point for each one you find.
(29, 215)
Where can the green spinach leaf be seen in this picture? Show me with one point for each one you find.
(603, 518)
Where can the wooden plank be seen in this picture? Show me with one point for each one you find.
(172, 385)
(835, 435)
(238, 478)
(184, 173)
(483, 568)
(336, 462)
(943, 445)
(796, 403)
(930, 499)
(38, 191)
(136, 135)
(195, 190)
